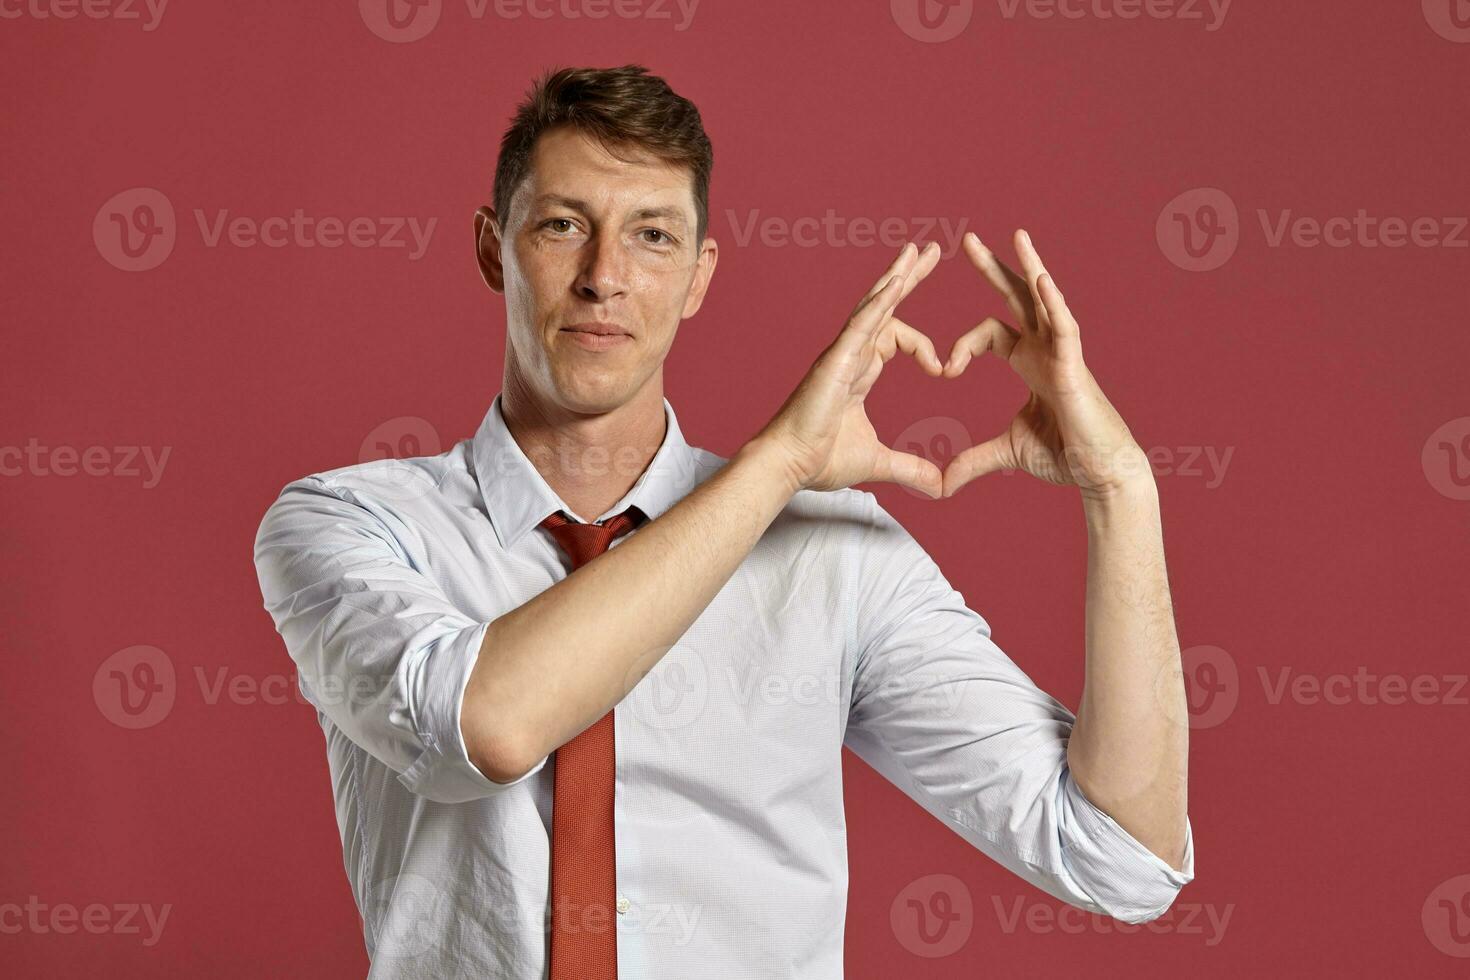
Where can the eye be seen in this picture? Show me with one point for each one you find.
(663, 237)
(558, 221)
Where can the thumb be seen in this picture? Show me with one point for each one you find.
(977, 461)
(910, 470)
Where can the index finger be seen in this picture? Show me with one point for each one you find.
(928, 259)
(1014, 289)
(897, 267)
(912, 263)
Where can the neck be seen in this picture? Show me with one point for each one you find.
(590, 460)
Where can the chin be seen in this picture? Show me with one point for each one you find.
(592, 390)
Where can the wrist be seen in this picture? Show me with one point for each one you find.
(768, 457)
(1112, 502)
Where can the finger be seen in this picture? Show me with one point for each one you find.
(866, 322)
(861, 328)
(1011, 287)
(1064, 328)
(912, 342)
(924, 264)
(1033, 269)
(977, 461)
(874, 311)
(900, 264)
(912, 471)
(990, 335)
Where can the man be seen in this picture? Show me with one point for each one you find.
(517, 798)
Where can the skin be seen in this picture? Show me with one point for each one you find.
(550, 668)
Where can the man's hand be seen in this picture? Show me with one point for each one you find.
(822, 431)
(1067, 433)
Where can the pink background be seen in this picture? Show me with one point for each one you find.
(1332, 836)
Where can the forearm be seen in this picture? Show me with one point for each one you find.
(1129, 748)
(551, 667)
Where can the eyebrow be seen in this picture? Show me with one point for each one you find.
(673, 213)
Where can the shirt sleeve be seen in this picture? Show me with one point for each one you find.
(379, 649)
(942, 713)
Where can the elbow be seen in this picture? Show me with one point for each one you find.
(499, 761)
(498, 753)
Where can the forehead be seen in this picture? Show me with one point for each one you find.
(567, 164)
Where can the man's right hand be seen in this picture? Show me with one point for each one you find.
(822, 432)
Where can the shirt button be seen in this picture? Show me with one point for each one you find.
(623, 904)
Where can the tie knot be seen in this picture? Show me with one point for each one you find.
(584, 542)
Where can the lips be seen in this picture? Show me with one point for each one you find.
(600, 329)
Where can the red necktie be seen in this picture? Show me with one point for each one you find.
(584, 934)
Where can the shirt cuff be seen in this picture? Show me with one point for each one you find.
(443, 772)
(1127, 880)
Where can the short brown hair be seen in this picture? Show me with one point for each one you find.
(618, 107)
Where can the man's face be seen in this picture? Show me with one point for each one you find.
(593, 241)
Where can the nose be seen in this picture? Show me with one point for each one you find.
(604, 272)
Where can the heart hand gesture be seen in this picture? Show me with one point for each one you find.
(1067, 433)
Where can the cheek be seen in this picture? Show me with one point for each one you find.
(532, 282)
(665, 289)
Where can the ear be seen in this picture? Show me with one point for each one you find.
(487, 248)
(704, 271)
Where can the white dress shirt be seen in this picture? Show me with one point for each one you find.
(837, 629)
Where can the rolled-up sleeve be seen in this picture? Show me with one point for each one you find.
(945, 715)
(379, 649)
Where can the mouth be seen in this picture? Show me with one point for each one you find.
(598, 329)
(597, 336)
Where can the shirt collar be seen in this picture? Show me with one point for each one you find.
(518, 498)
